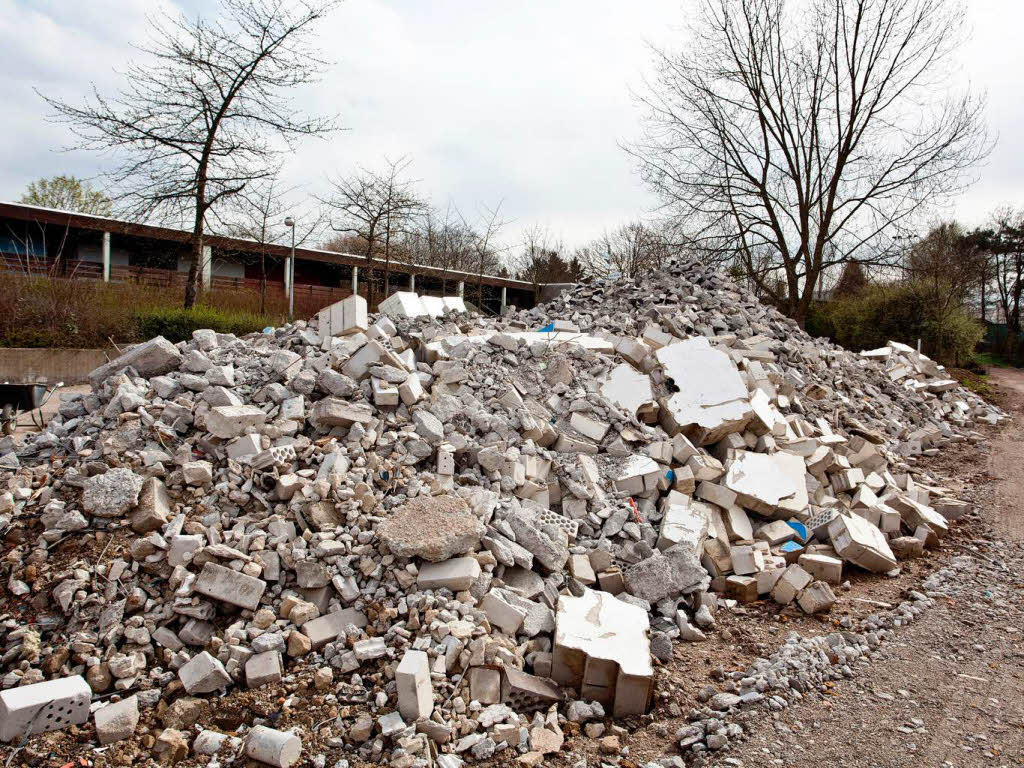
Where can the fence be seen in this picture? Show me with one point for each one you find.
(309, 299)
(998, 339)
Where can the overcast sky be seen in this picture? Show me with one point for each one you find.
(495, 100)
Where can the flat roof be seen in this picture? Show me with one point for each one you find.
(35, 213)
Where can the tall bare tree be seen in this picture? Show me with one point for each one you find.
(258, 214)
(207, 112)
(377, 207)
(486, 252)
(800, 133)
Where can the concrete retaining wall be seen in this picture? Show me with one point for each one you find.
(48, 366)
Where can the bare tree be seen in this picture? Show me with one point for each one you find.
(376, 207)
(487, 256)
(208, 112)
(632, 250)
(540, 260)
(800, 134)
(258, 214)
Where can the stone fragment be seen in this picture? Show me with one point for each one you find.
(263, 669)
(816, 597)
(203, 674)
(117, 721)
(151, 358)
(230, 586)
(415, 693)
(456, 574)
(434, 528)
(111, 494)
(154, 507)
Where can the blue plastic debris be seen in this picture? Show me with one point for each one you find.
(269, 329)
(549, 328)
(800, 528)
(670, 476)
(791, 546)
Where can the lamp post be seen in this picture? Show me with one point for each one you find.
(290, 223)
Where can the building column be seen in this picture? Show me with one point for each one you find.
(412, 282)
(355, 280)
(504, 297)
(462, 289)
(287, 273)
(207, 266)
(105, 249)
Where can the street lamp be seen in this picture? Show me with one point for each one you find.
(290, 223)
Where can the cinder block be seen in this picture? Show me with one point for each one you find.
(230, 586)
(456, 574)
(323, 630)
(48, 706)
(792, 580)
(415, 694)
(263, 669)
(485, 685)
(823, 568)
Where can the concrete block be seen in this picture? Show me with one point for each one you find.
(117, 721)
(335, 412)
(775, 533)
(227, 421)
(41, 707)
(203, 674)
(402, 304)
(601, 648)
(816, 598)
(792, 580)
(325, 629)
(823, 567)
(743, 589)
(230, 586)
(263, 669)
(415, 693)
(485, 685)
(682, 524)
(746, 560)
(859, 542)
(502, 614)
(582, 570)
(457, 574)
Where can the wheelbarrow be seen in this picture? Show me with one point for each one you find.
(16, 398)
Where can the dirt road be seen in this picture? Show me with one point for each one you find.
(950, 690)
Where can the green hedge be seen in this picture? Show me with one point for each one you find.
(900, 312)
(177, 324)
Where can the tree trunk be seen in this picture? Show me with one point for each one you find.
(194, 286)
(263, 283)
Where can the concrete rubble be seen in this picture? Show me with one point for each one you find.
(469, 530)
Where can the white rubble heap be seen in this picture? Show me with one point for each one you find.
(476, 528)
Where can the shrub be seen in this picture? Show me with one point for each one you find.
(904, 312)
(177, 324)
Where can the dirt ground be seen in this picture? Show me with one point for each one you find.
(950, 691)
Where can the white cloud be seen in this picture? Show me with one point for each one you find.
(496, 100)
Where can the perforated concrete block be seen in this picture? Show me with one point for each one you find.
(49, 706)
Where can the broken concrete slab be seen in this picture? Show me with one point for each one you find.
(434, 528)
(601, 648)
(230, 586)
(859, 542)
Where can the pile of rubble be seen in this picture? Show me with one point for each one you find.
(471, 529)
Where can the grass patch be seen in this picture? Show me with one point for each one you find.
(177, 324)
(992, 360)
(62, 312)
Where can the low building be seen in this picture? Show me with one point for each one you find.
(76, 246)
